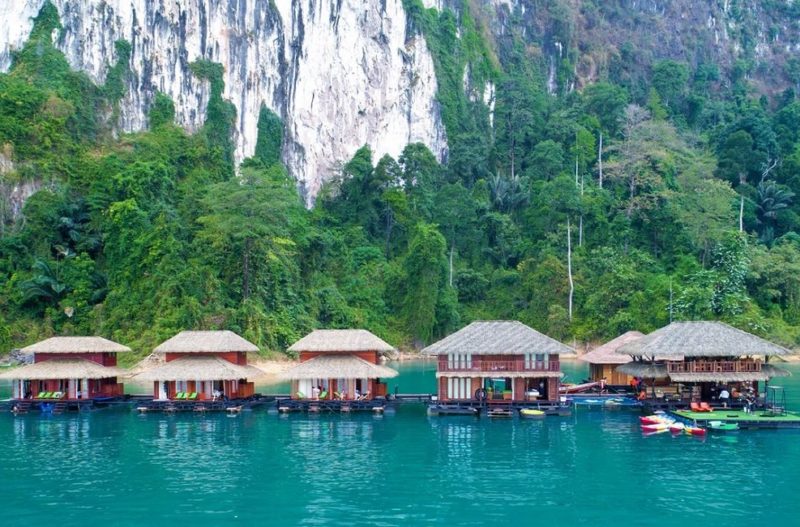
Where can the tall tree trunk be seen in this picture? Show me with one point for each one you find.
(741, 214)
(246, 269)
(580, 231)
(600, 160)
(569, 270)
(452, 249)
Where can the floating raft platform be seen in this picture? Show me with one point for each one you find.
(757, 419)
(58, 406)
(496, 408)
(231, 406)
(377, 405)
(603, 401)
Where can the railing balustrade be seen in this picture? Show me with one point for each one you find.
(715, 366)
(499, 366)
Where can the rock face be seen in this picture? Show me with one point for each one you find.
(340, 73)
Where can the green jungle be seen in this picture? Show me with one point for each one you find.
(688, 210)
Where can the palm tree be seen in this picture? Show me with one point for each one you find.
(772, 199)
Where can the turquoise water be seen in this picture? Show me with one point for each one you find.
(120, 468)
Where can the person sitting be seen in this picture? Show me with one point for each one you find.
(216, 394)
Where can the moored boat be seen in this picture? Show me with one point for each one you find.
(722, 426)
(531, 413)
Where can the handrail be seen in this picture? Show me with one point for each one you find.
(715, 366)
(500, 366)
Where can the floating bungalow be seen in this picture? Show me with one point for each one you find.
(604, 360)
(693, 362)
(67, 373)
(339, 370)
(497, 363)
(203, 370)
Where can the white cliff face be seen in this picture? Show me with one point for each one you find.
(340, 73)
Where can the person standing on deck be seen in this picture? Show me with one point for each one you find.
(724, 396)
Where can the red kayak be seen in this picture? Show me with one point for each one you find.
(695, 431)
(655, 428)
(651, 420)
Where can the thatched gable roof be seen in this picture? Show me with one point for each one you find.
(341, 340)
(76, 345)
(200, 368)
(650, 370)
(645, 370)
(62, 369)
(497, 337)
(700, 339)
(205, 342)
(606, 354)
(338, 367)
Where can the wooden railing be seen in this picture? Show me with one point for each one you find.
(714, 366)
(499, 366)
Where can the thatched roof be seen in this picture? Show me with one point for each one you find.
(341, 340)
(700, 339)
(200, 368)
(76, 345)
(205, 342)
(62, 369)
(645, 370)
(649, 370)
(338, 367)
(497, 337)
(606, 354)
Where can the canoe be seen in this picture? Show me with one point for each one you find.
(655, 427)
(722, 426)
(531, 413)
(651, 420)
(695, 431)
(677, 428)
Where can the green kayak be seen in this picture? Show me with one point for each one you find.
(721, 426)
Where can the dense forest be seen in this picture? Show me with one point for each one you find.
(668, 194)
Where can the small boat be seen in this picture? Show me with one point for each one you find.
(655, 427)
(695, 431)
(651, 420)
(722, 426)
(677, 428)
(531, 413)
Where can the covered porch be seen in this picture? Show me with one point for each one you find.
(342, 377)
(64, 379)
(507, 387)
(201, 378)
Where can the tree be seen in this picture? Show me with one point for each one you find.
(250, 219)
(425, 266)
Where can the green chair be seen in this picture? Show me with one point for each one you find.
(180, 395)
(300, 395)
(338, 395)
(47, 395)
(324, 394)
(192, 396)
(41, 395)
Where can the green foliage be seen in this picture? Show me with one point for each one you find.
(270, 137)
(162, 111)
(141, 235)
